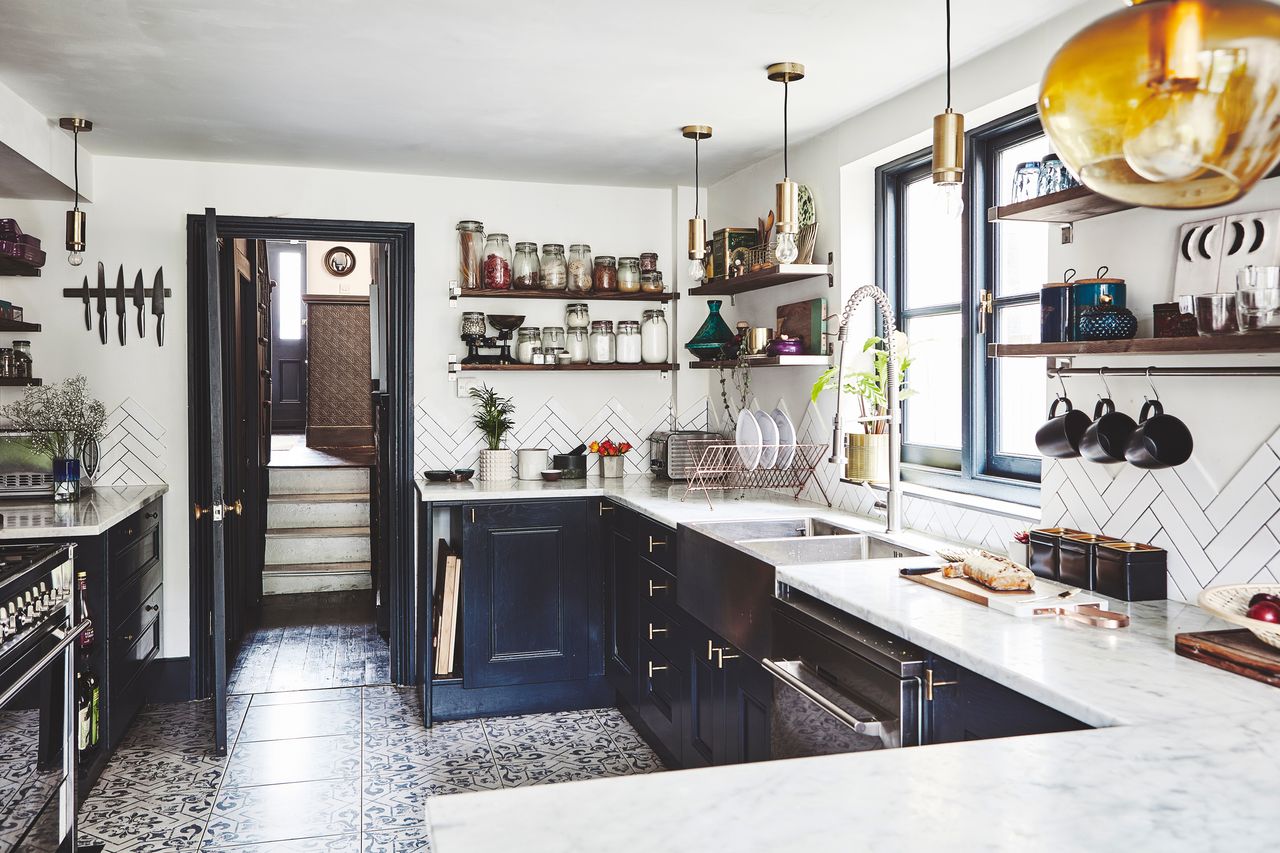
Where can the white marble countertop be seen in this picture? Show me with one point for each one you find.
(97, 510)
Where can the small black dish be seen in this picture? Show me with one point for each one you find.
(461, 475)
(437, 476)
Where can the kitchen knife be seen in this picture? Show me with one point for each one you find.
(84, 297)
(157, 305)
(140, 302)
(102, 303)
(120, 320)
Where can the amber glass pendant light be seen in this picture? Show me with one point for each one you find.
(1169, 103)
(948, 148)
(788, 199)
(697, 225)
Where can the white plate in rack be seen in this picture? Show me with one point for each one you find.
(768, 439)
(748, 440)
(786, 438)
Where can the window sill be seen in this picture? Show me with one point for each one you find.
(1016, 509)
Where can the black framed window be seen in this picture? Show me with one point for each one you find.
(959, 284)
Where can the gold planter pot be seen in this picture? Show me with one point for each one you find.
(868, 458)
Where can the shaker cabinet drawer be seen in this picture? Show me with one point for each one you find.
(134, 625)
(662, 632)
(658, 588)
(657, 543)
(125, 600)
(134, 527)
(661, 695)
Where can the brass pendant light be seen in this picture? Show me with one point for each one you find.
(697, 225)
(1169, 103)
(75, 216)
(788, 191)
(948, 147)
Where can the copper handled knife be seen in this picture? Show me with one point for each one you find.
(140, 302)
(102, 303)
(120, 320)
(157, 305)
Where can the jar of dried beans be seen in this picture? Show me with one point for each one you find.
(496, 267)
(648, 261)
(525, 268)
(554, 275)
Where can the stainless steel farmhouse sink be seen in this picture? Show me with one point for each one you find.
(774, 528)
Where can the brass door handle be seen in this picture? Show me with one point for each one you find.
(200, 511)
(653, 669)
(655, 586)
(986, 304)
(236, 508)
(653, 630)
(654, 543)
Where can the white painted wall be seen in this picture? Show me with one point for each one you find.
(139, 219)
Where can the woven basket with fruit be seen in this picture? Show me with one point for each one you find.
(1255, 606)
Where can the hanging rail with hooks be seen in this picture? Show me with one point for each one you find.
(1108, 372)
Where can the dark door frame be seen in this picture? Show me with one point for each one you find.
(397, 508)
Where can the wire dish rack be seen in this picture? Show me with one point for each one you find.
(721, 466)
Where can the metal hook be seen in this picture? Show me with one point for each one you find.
(1152, 385)
(1062, 384)
(1102, 374)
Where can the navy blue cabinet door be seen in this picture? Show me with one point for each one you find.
(620, 619)
(748, 698)
(525, 593)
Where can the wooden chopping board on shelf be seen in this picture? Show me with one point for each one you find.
(805, 320)
(1043, 595)
(1235, 650)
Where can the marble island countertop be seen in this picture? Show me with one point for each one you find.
(97, 510)
(1175, 737)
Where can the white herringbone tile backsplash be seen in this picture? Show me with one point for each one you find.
(457, 445)
(131, 448)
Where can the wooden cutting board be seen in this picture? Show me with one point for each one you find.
(1235, 650)
(1014, 603)
(805, 320)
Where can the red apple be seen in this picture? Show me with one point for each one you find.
(1264, 596)
(1265, 611)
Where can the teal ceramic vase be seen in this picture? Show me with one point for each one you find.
(714, 337)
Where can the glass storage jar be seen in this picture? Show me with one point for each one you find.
(648, 261)
(22, 359)
(554, 274)
(6, 361)
(552, 336)
(628, 275)
(470, 250)
(538, 356)
(577, 316)
(524, 269)
(627, 347)
(601, 344)
(578, 346)
(578, 269)
(655, 345)
(473, 324)
(605, 274)
(651, 282)
(527, 337)
(496, 267)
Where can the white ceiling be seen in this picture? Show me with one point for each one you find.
(573, 90)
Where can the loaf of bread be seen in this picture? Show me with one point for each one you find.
(953, 570)
(998, 573)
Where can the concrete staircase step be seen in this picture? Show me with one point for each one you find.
(286, 481)
(317, 545)
(296, 578)
(304, 511)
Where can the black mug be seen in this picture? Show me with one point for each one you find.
(1060, 436)
(1107, 437)
(1160, 441)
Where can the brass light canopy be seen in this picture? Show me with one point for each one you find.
(787, 201)
(75, 217)
(697, 225)
(1169, 103)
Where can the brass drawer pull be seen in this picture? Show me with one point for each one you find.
(653, 669)
(711, 650)
(721, 657)
(653, 630)
(656, 543)
(653, 587)
(929, 684)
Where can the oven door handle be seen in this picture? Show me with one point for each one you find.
(64, 640)
(788, 672)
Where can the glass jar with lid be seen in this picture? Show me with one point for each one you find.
(527, 337)
(6, 361)
(495, 270)
(470, 250)
(628, 275)
(552, 337)
(578, 345)
(577, 316)
(601, 344)
(554, 274)
(628, 344)
(525, 270)
(22, 359)
(578, 269)
(538, 356)
(605, 274)
(651, 282)
(655, 346)
(648, 261)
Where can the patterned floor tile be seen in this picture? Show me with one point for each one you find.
(309, 719)
(390, 709)
(182, 725)
(283, 812)
(147, 823)
(399, 841)
(327, 844)
(638, 753)
(541, 766)
(143, 772)
(460, 743)
(544, 735)
(293, 697)
(309, 759)
(400, 799)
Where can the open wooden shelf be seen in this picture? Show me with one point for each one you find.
(19, 381)
(770, 361)
(771, 277)
(666, 366)
(1253, 342)
(18, 326)
(13, 266)
(1061, 207)
(571, 296)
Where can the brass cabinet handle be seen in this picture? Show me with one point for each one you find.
(653, 630)
(929, 684)
(473, 515)
(711, 650)
(656, 543)
(605, 508)
(653, 669)
(721, 657)
(655, 586)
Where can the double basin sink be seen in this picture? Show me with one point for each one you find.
(794, 541)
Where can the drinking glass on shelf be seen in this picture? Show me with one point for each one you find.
(1026, 181)
(1258, 299)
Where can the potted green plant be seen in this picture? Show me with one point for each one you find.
(494, 418)
(868, 451)
(65, 423)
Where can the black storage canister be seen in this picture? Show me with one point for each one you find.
(1044, 551)
(1077, 559)
(1057, 323)
(1132, 572)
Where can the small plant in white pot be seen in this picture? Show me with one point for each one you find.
(868, 451)
(493, 417)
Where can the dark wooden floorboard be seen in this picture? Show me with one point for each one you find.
(308, 642)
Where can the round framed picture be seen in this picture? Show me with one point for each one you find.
(340, 261)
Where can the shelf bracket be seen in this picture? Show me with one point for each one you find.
(831, 276)
(1067, 234)
(455, 290)
(454, 368)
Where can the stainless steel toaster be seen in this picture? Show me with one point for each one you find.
(672, 453)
